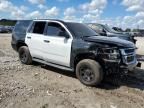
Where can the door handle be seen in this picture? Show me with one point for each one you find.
(46, 41)
(28, 37)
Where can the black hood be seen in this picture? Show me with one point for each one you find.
(110, 40)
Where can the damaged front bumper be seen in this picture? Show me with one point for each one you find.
(119, 60)
(129, 67)
(119, 67)
(127, 63)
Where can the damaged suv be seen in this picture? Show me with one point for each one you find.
(75, 47)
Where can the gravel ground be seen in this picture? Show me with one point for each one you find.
(40, 86)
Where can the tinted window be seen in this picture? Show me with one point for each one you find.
(21, 26)
(39, 27)
(80, 30)
(55, 29)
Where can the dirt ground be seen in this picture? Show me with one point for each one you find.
(39, 86)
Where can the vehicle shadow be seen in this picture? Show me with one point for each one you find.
(132, 80)
(136, 79)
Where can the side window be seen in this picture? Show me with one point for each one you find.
(21, 26)
(39, 27)
(55, 29)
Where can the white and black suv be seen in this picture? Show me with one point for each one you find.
(75, 47)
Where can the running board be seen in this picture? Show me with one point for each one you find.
(53, 65)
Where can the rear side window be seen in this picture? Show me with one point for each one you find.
(38, 27)
(22, 26)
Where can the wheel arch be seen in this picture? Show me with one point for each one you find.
(82, 56)
(20, 44)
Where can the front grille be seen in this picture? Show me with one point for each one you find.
(128, 55)
(130, 59)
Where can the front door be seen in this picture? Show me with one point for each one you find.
(57, 44)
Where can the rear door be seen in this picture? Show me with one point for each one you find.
(56, 47)
(34, 39)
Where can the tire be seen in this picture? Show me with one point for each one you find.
(24, 55)
(89, 72)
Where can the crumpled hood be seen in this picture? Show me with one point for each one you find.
(110, 40)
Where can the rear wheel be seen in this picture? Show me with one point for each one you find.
(24, 55)
(89, 72)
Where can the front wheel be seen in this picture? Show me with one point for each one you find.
(24, 55)
(89, 72)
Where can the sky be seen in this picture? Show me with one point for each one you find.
(120, 13)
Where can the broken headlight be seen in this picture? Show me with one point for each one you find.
(110, 53)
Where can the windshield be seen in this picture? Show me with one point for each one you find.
(81, 30)
(107, 28)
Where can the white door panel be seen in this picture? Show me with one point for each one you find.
(34, 42)
(57, 50)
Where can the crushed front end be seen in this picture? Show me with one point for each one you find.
(118, 60)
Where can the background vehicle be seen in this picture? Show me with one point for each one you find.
(105, 30)
(6, 29)
(74, 47)
(3, 30)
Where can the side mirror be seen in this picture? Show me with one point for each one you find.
(64, 34)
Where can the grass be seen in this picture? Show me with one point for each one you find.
(7, 23)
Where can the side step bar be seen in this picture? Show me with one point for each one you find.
(53, 65)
